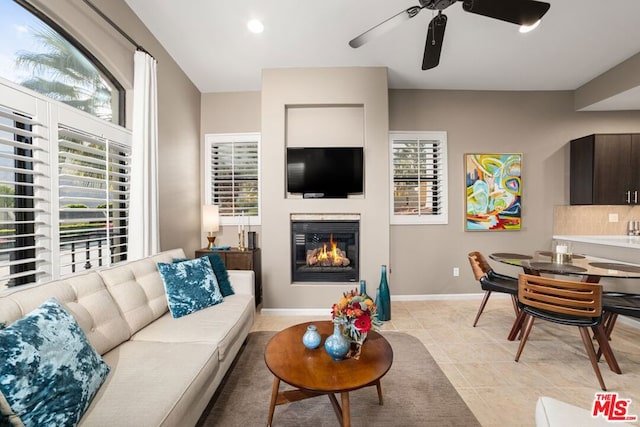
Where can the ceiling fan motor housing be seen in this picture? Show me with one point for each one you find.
(436, 4)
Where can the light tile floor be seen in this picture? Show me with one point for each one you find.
(479, 361)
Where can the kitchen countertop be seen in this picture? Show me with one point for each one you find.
(621, 241)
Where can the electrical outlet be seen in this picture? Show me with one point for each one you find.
(456, 272)
(613, 217)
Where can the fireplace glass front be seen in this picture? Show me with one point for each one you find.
(325, 251)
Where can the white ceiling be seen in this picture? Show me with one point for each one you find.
(576, 41)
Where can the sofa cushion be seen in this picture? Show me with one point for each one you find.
(190, 286)
(155, 384)
(84, 296)
(7, 416)
(220, 325)
(138, 290)
(48, 370)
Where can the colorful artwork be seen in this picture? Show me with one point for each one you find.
(494, 192)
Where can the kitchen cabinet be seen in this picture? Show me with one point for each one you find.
(605, 170)
(236, 259)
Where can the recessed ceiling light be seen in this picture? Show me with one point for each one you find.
(255, 26)
(527, 28)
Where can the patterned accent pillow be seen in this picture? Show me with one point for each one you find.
(190, 286)
(220, 271)
(49, 373)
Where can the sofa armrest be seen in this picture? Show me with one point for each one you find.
(242, 281)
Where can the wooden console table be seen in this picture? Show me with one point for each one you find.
(235, 259)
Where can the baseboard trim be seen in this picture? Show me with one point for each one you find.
(327, 311)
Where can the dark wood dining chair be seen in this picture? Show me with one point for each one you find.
(567, 303)
(491, 281)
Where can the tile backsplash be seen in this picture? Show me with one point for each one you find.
(593, 220)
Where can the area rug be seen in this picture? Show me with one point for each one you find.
(415, 391)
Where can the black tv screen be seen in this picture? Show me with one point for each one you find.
(325, 172)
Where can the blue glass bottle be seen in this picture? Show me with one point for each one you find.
(383, 298)
(336, 345)
(363, 288)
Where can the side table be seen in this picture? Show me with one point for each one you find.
(235, 259)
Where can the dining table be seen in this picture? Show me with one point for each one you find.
(590, 269)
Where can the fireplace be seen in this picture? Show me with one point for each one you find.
(325, 251)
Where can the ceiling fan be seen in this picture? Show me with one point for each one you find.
(520, 12)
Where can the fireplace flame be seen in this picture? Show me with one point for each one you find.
(333, 257)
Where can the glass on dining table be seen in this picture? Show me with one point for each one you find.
(561, 251)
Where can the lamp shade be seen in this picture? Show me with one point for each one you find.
(210, 218)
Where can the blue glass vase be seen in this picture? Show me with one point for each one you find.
(336, 345)
(383, 298)
(311, 338)
(363, 288)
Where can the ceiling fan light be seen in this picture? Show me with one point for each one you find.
(527, 28)
(255, 26)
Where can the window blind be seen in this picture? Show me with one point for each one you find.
(20, 202)
(233, 174)
(419, 174)
(93, 176)
(64, 189)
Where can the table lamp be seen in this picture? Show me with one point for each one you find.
(210, 223)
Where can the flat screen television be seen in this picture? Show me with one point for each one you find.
(325, 172)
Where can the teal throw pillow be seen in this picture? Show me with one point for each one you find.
(190, 286)
(221, 274)
(49, 373)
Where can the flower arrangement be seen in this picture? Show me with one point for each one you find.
(358, 315)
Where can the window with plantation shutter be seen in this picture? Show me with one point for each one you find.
(93, 174)
(419, 178)
(232, 176)
(64, 189)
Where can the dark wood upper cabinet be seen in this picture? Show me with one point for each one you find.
(605, 170)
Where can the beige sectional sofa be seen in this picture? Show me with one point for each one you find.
(164, 371)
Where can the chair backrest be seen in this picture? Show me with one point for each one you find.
(479, 264)
(579, 299)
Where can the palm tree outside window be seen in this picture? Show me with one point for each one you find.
(38, 54)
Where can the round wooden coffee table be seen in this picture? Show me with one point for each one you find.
(314, 373)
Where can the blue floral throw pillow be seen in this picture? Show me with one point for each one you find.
(49, 373)
(190, 286)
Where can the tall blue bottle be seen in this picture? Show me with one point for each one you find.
(383, 298)
(363, 288)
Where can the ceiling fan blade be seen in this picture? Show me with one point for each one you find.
(520, 12)
(433, 46)
(385, 26)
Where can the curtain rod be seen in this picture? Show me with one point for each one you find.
(117, 28)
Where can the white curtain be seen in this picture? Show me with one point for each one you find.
(144, 235)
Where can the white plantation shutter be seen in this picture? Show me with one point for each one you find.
(419, 178)
(232, 176)
(64, 189)
(93, 174)
(22, 199)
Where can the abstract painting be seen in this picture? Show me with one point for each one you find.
(494, 191)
